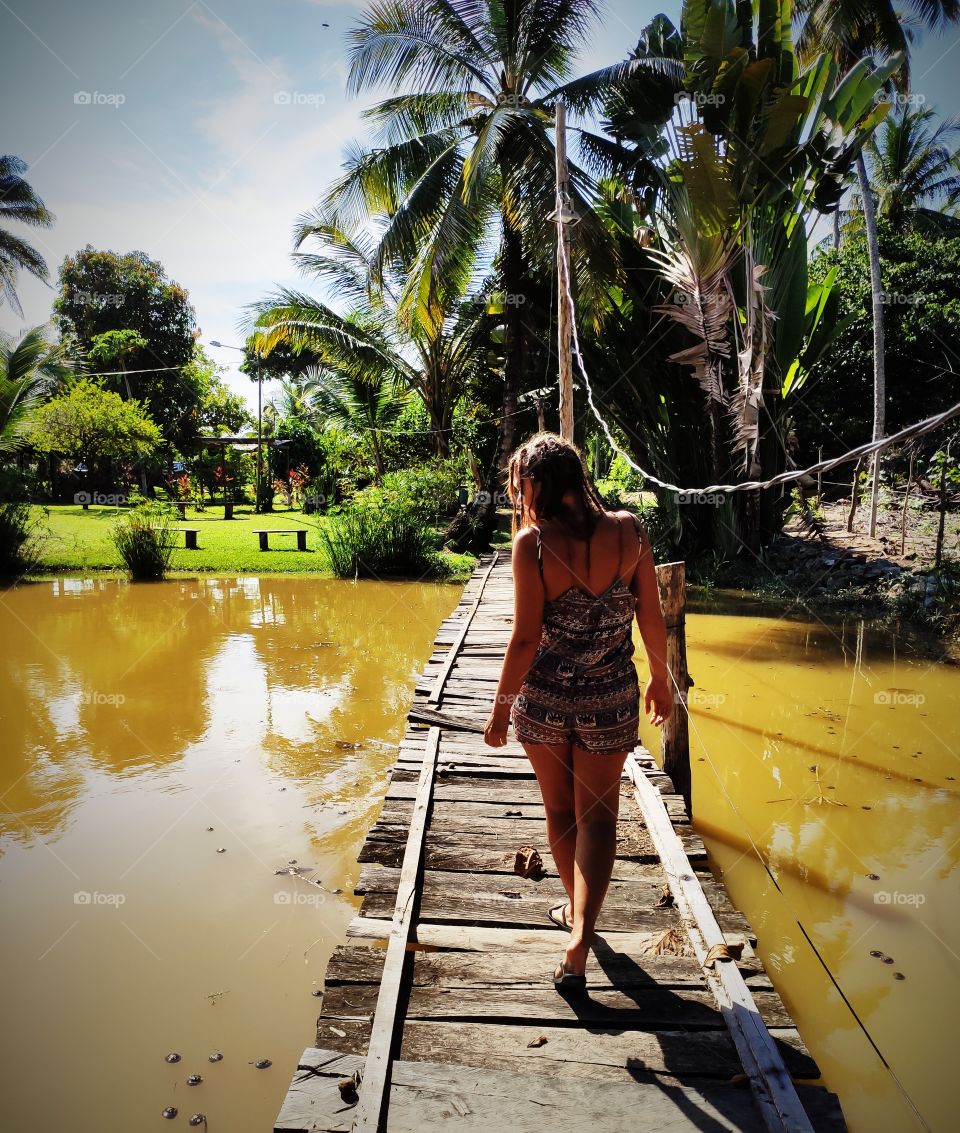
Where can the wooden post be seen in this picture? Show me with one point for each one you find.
(854, 494)
(938, 555)
(906, 501)
(563, 294)
(675, 739)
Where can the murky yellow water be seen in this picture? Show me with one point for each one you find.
(134, 717)
(833, 754)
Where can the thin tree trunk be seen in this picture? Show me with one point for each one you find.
(906, 501)
(879, 370)
(854, 494)
(377, 457)
(513, 268)
(938, 556)
(836, 227)
(440, 424)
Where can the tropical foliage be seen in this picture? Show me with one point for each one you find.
(21, 205)
(31, 368)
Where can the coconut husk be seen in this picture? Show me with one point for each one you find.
(528, 862)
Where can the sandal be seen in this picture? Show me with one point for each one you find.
(558, 915)
(563, 978)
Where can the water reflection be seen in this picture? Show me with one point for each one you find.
(146, 727)
(830, 752)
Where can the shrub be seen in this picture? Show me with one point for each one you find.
(428, 491)
(18, 540)
(144, 542)
(366, 542)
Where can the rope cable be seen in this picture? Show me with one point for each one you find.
(925, 426)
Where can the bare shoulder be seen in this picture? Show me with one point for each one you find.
(642, 537)
(625, 513)
(525, 543)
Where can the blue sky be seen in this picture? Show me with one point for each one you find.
(210, 128)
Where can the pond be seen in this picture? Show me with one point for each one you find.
(135, 719)
(138, 717)
(828, 750)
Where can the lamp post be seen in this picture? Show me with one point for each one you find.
(258, 486)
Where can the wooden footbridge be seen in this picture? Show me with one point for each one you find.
(440, 1011)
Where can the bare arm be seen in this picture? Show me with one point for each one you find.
(653, 630)
(528, 600)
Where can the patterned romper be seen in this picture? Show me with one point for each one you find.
(582, 684)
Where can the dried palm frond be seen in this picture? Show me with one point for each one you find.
(671, 942)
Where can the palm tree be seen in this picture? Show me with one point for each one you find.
(362, 407)
(19, 202)
(851, 30)
(913, 167)
(31, 369)
(465, 159)
(428, 352)
(728, 158)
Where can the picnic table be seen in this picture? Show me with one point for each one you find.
(265, 533)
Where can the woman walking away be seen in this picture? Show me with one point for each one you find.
(569, 684)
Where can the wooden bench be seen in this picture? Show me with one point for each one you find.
(264, 534)
(190, 536)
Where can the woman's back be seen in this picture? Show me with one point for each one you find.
(587, 630)
(591, 565)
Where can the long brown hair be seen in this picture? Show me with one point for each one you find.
(556, 467)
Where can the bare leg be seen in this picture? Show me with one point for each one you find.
(596, 781)
(554, 770)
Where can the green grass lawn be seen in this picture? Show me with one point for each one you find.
(71, 539)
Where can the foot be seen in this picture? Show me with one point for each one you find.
(574, 960)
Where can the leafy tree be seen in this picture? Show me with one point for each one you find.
(101, 291)
(281, 363)
(304, 446)
(362, 408)
(92, 424)
(114, 348)
(921, 291)
(736, 145)
(852, 30)
(19, 203)
(221, 410)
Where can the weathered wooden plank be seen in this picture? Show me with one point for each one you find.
(499, 937)
(641, 891)
(386, 1001)
(457, 640)
(470, 853)
(457, 787)
(777, 1100)
(505, 833)
(516, 913)
(427, 1095)
(617, 1054)
(458, 809)
(350, 964)
(649, 1005)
